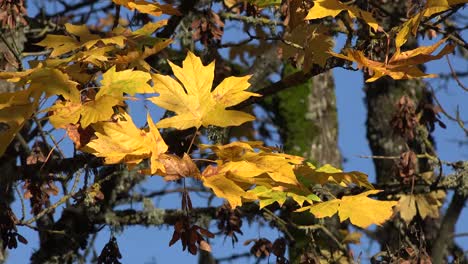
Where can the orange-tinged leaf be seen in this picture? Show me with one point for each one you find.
(194, 103)
(324, 8)
(402, 65)
(361, 210)
(128, 81)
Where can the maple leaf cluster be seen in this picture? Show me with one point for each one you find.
(91, 75)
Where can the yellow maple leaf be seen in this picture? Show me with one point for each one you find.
(361, 210)
(123, 142)
(194, 103)
(224, 187)
(242, 167)
(324, 8)
(402, 65)
(100, 109)
(152, 8)
(64, 44)
(15, 109)
(330, 174)
(136, 58)
(128, 81)
(279, 194)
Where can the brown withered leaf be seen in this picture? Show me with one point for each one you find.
(78, 135)
(294, 11)
(12, 12)
(404, 121)
(307, 45)
(229, 221)
(279, 249)
(39, 193)
(429, 112)
(261, 248)
(407, 166)
(38, 153)
(190, 236)
(8, 230)
(177, 168)
(208, 28)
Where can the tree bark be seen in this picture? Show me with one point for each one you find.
(306, 118)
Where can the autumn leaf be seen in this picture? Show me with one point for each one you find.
(194, 103)
(402, 65)
(359, 209)
(12, 119)
(312, 46)
(324, 8)
(426, 205)
(247, 164)
(123, 142)
(224, 187)
(137, 58)
(268, 196)
(64, 44)
(128, 81)
(152, 8)
(310, 175)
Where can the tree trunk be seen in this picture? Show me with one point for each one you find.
(381, 98)
(306, 119)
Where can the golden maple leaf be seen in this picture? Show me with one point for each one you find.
(329, 174)
(361, 210)
(152, 8)
(15, 109)
(110, 94)
(241, 167)
(324, 8)
(194, 103)
(123, 142)
(64, 44)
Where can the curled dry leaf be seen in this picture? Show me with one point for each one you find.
(8, 230)
(405, 120)
(177, 168)
(190, 236)
(407, 166)
(229, 221)
(261, 248)
(208, 28)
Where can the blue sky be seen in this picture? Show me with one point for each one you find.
(150, 245)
